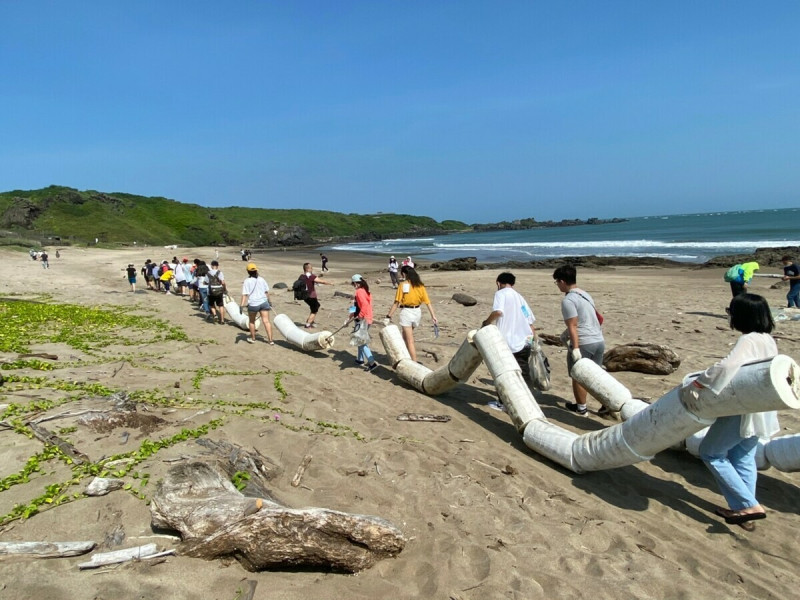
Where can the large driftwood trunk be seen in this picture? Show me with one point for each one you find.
(642, 358)
(215, 520)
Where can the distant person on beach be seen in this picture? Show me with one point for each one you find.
(324, 260)
(45, 263)
(584, 334)
(407, 262)
(514, 318)
(363, 315)
(200, 272)
(215, 282)
(393, 268)
(729, 447)
(58, 254)
(739, 277)
(791, 273)
(410, 295)
(255, 299)
(131, 272)
(147, 273)
(311, 281)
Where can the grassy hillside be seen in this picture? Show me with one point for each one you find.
(118, 218)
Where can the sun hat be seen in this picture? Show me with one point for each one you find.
(252, 267)
(356, 278)
(391, 257)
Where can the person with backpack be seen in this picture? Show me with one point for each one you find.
(309, 294)
(215, 280)
(739, 276)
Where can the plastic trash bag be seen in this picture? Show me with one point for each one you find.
(539, 367)
(360, 334)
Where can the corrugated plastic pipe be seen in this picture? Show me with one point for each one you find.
(237, 316)
(458, 369)
(304, 340)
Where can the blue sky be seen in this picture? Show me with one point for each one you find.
(476, 111)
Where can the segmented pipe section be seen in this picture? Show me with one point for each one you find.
(301, 338)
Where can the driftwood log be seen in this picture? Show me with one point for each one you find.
(653, 359)
(464, 299)
(45, 549)
(549, 339)
(216, 520)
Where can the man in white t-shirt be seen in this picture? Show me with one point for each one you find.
(514, 318)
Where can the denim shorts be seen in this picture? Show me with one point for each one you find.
(256, 309)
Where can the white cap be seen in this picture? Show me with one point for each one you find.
(356, 278)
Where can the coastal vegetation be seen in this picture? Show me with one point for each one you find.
(62, 215)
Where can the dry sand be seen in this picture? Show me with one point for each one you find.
(644, 531)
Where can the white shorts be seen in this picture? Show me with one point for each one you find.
(410, 317)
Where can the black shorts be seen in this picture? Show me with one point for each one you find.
(313, 304)
(215, 301)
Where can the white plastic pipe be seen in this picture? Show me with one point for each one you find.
(237, 316)
(458, 369)
(507, 375)
(783, 453)
(551, 441)
(757, 387)
(304, 340)
(608, 390)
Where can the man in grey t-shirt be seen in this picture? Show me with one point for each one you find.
(583, 328)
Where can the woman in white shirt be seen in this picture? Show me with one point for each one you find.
(255, 296)
(729, 447)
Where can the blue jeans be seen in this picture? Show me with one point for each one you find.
(793, 297)
(365, 354)
(732, 461)
(204, 298)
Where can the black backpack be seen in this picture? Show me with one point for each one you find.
(215, 287)
(300, 288)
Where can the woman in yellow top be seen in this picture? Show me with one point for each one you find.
(410, 295)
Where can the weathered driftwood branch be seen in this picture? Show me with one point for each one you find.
(118, 556)
(215, 520)
(550, 339)
(654, 359)
(48, 437)
(46, 549)
(298, 476)
(234, 459)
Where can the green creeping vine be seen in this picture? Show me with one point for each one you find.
(90, 329)
(55, 494)
(240, 479)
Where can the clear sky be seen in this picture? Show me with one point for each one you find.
(476, 111)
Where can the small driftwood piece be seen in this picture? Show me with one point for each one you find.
(100, 486)
(464, 299)
(421, 417)
(653, 359)
(118, 556)
(39, 355)
(298, 476)
(46, 549)
(215, 520)
(549, 339)
(48, 437)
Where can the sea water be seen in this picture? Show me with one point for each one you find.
(691, 238)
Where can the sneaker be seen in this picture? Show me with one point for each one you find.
(496, 405)
(359, 362)
(310, 325)
(371, 368)
(573, 406)
(251, 341)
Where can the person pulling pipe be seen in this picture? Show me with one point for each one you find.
(514, 318)
(585, 335)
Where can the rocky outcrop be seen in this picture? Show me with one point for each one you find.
(21, 213)
(469, 263)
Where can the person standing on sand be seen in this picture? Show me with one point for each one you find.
(312, 301)
(363, 313)
(324, 260)
(585, 336)
(393, 268)
(45, 263)
(215, 282)
(729, 447)
(408, 298)
(514, 318)
(255, 297)
(791, 273)
(131, 272)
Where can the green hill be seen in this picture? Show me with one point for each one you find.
(80, 217)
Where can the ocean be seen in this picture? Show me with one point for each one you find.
(690, 238)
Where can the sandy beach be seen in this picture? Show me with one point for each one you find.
(484, 517)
